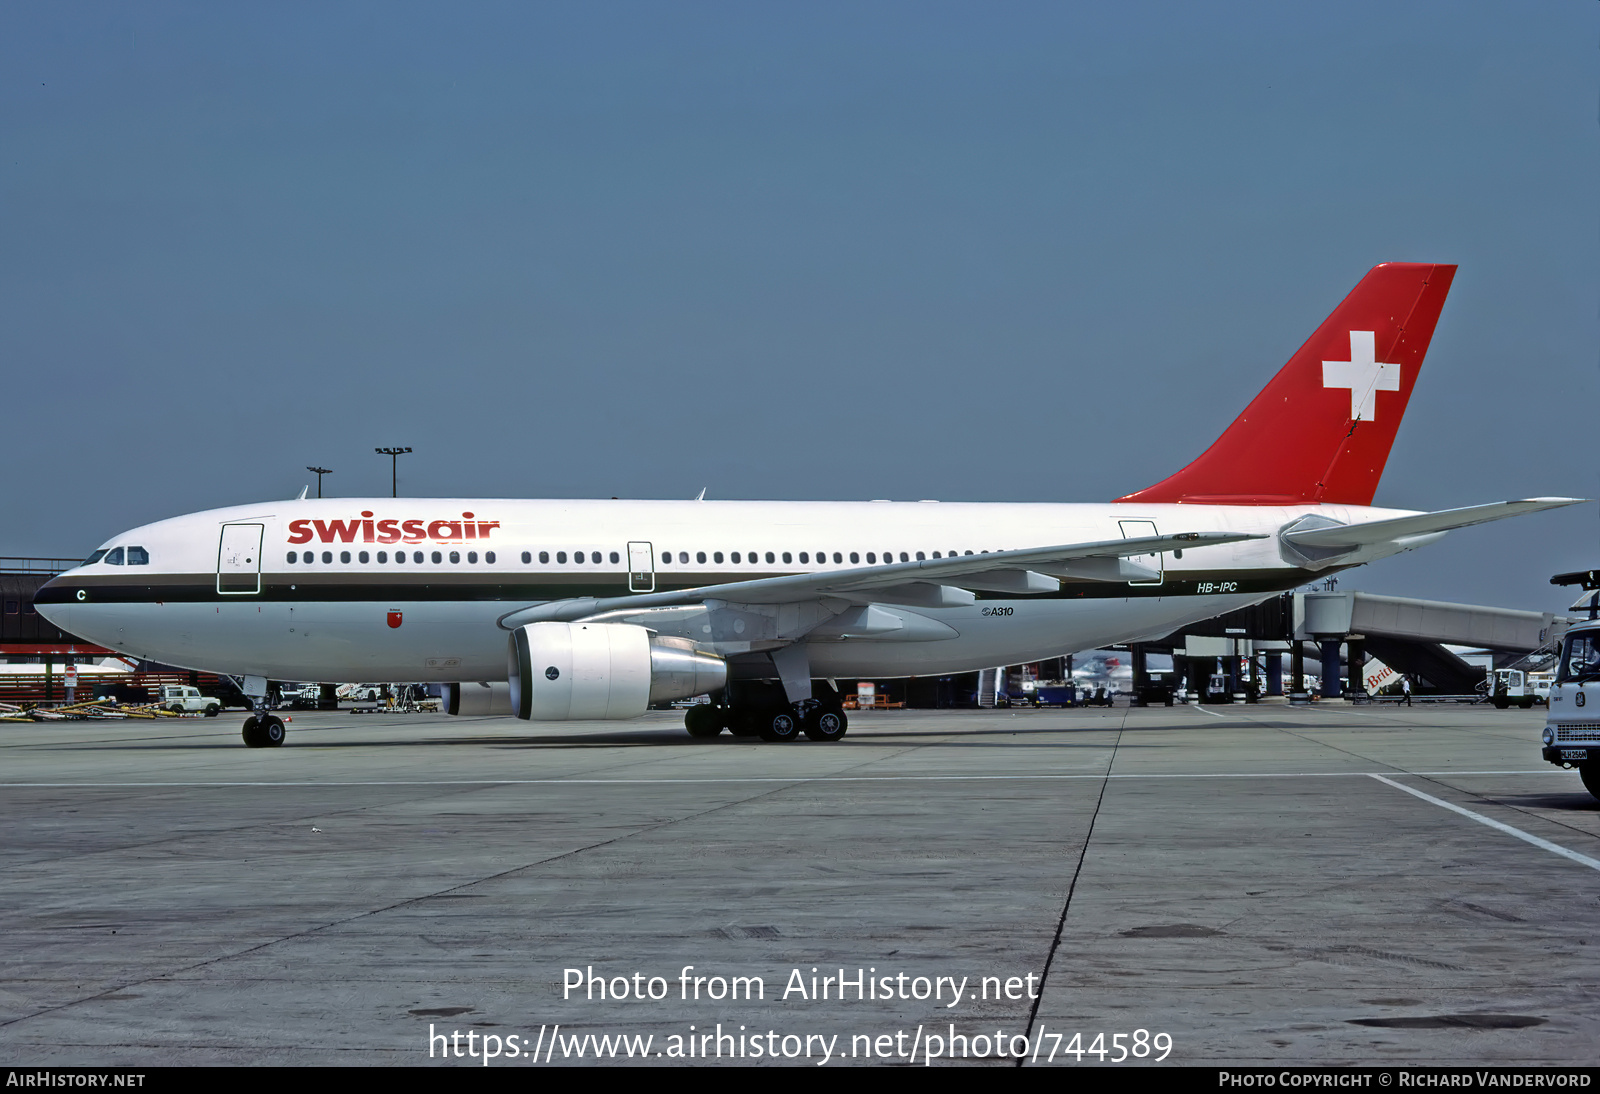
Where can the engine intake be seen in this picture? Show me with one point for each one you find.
(570, 671)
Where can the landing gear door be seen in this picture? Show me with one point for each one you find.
(239, 560)
(1143, 529)
(641, 567)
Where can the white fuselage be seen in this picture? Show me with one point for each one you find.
(345, 609)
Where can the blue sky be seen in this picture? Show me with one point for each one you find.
(998, 252)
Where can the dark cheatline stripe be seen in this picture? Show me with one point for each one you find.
(324, 587)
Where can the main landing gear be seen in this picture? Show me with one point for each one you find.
(763, 712)
(263, 730)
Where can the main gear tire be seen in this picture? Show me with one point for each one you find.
(826, 724)
(703, 721)
(778, 726)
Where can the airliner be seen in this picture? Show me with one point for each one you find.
(559, 610)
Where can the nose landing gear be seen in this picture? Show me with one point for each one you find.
(263, 730)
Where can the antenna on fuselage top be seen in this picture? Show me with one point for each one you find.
(701, 496)
(303, 490)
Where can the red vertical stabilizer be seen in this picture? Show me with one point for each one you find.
(1322, 429)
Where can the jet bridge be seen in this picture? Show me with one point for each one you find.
(1411, 635)
(1408, 634)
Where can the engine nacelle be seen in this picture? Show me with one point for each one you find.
(569, 671)
(471, 697)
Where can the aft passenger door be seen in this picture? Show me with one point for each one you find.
(1142, 529)
(641, 567)
(239, 560)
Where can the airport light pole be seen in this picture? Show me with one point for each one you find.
(319, 472)
(394, 455)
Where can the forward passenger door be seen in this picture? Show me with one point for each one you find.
(239, 560)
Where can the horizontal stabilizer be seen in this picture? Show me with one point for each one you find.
(1352, 536)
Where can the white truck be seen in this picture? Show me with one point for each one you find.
(1510, 687)
(183, 699)
(1571, 729)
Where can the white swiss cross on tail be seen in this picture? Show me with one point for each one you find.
(1363, 374)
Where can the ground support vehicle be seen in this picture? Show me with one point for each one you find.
(1510, 687)
(183, 699)
(1572, 726)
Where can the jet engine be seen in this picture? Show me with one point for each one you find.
(569, 671)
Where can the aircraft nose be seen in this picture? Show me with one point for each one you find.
(53, 598)
(61, 589)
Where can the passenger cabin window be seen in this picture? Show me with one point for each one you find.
(114, 558)
(488, 556)
(138, 556)
(293, 557)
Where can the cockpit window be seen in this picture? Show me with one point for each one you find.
(114, 557)
(1580, 659)
(138, 556)
(96, 557)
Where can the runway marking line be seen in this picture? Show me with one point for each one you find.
(771, 779)
(1582, 860)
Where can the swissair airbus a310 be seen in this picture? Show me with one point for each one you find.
(556, 610)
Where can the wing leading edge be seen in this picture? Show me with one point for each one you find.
(1029, 569)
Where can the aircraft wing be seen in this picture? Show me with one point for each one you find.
(1351, 536)
(914, 581)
